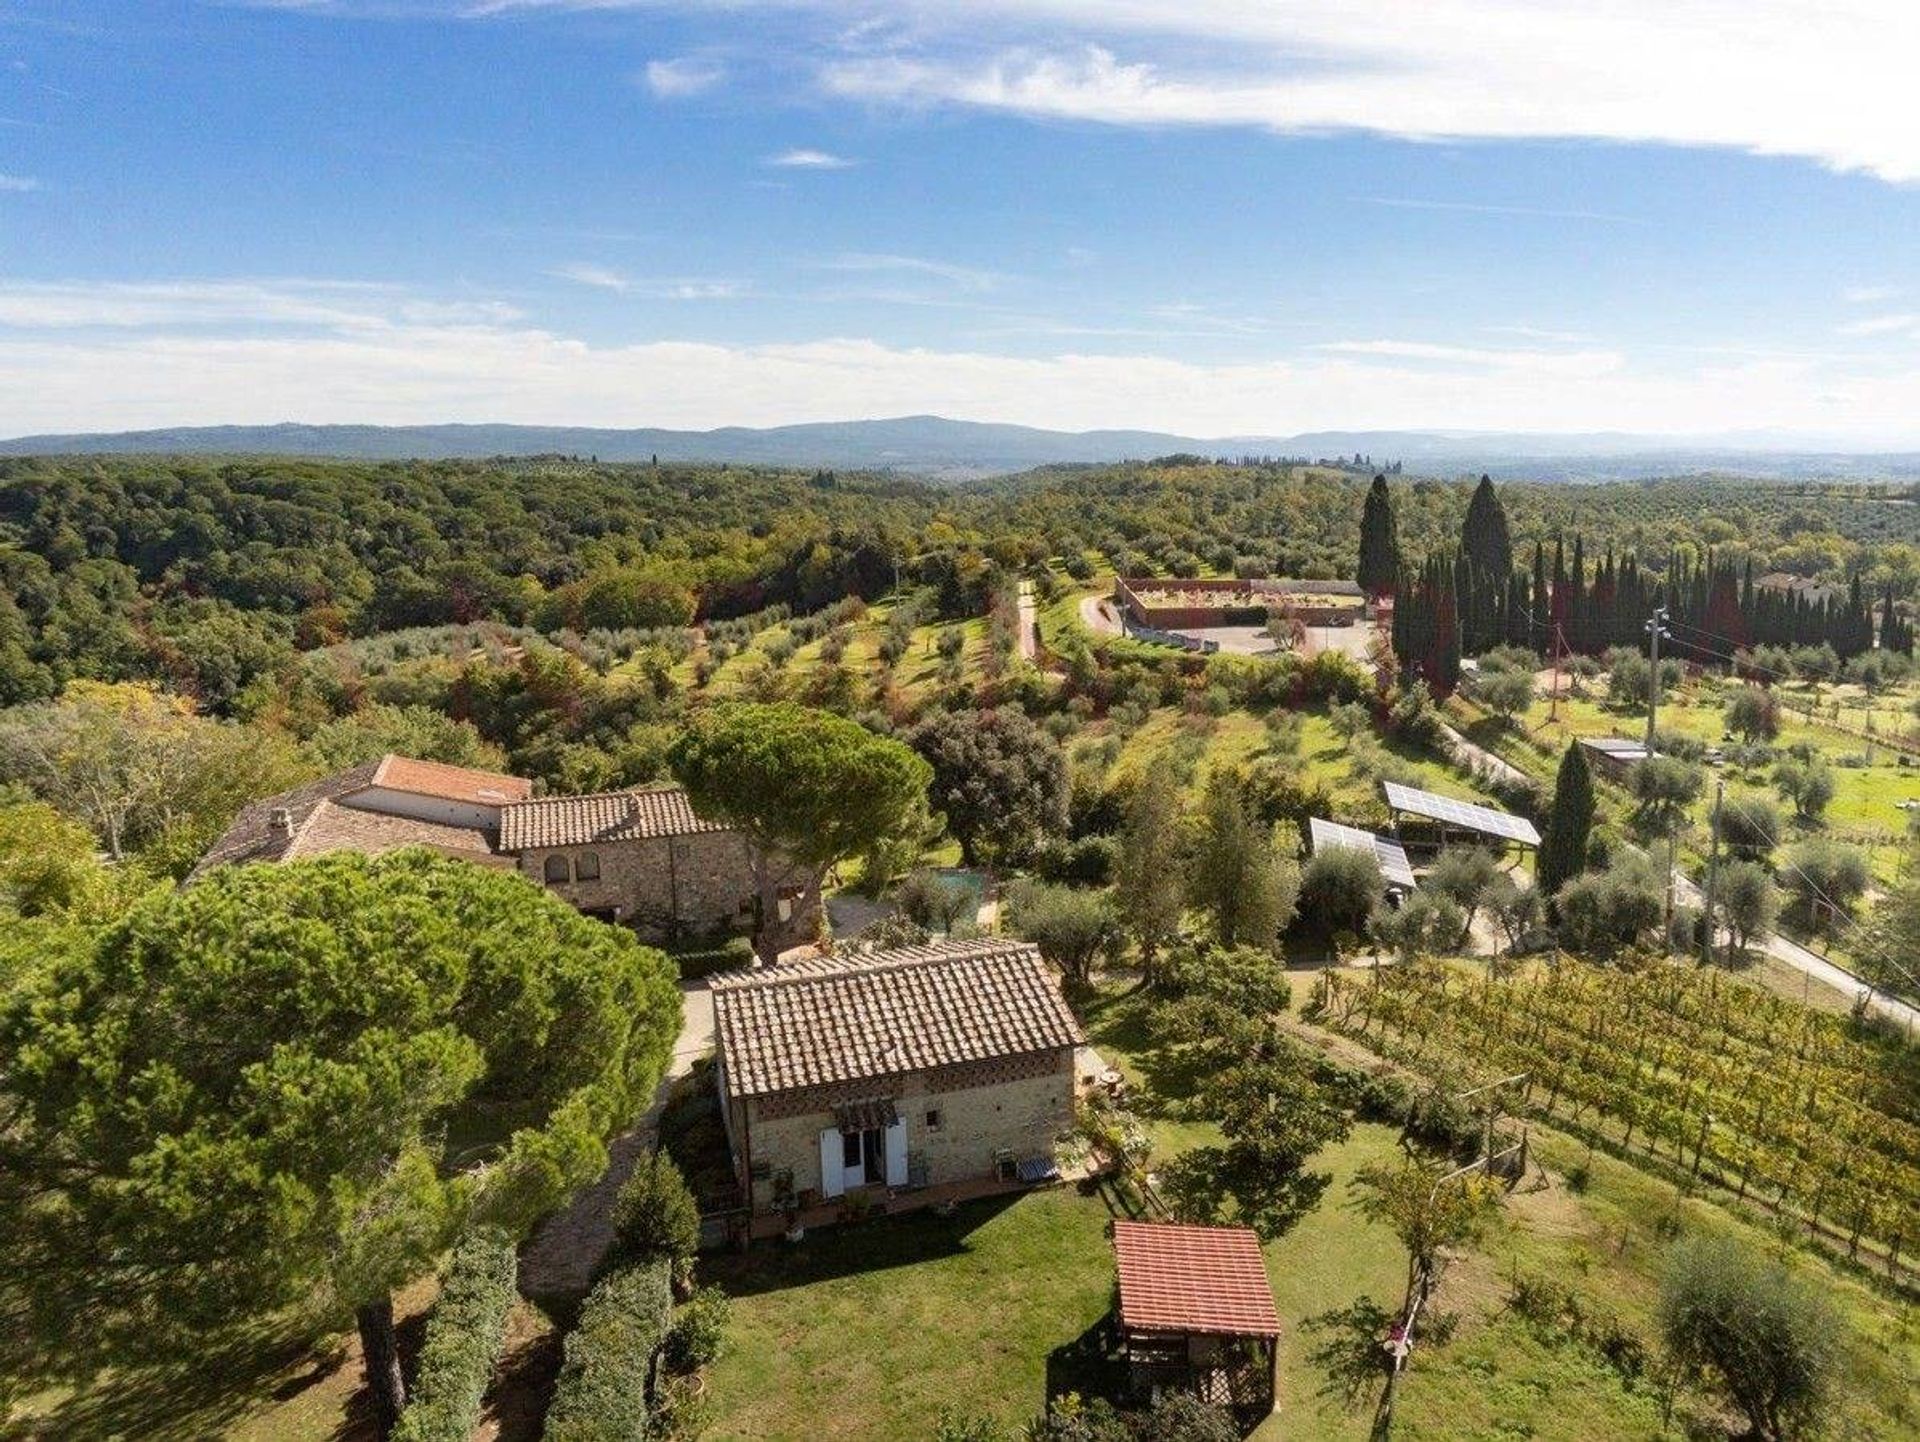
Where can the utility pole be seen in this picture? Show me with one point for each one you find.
(1656, 628)
(1559, 648)
(1713, 868)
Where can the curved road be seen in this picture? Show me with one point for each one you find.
(1813, 964)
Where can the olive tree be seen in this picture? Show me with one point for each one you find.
(1770, 1340)
(239, 1097)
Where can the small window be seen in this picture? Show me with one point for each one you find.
(850, 1149)
(555, 870)
(933, 1119)
(586, 866)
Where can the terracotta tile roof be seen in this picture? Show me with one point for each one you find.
(604, 816)
(846, 1019)
(252, 836)
(452, 783)
(1193, 1279)
(332, 826)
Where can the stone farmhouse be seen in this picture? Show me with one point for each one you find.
(641, 858)
(947, 1068)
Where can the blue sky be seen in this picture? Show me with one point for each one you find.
(1209, 216)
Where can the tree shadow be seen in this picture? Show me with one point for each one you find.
(184, 1399)
(876, 1245)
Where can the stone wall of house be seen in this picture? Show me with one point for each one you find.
(1021, 1106)
(691, 884)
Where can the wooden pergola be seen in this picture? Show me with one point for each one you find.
(1196, 1314)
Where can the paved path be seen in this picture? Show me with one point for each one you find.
(558, 1261)
(1480, 761)
(1819, 968)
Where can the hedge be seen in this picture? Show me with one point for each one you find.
(607, 1373)
(464, 1337)
(731, 955)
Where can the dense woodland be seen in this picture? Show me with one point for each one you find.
(209, 575)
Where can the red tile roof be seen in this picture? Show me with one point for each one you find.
(452, 783)
(603, 816)
(1209, 1280)
(864, 1018)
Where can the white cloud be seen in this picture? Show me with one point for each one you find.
(602, 277)
(684, 76)
(805, 159)
(110, 357)
(963, 276)
(598, 276)
(1759, 77)
(1868, 294)
(1881, 324)
(1825, 80)
(18, 184)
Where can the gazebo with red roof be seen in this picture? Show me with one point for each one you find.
(1196, 1313)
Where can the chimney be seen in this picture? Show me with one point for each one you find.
(280, 822)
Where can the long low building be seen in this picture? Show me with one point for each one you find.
(944, 1065)
(642, 857)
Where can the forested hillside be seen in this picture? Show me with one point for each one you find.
(209, 575)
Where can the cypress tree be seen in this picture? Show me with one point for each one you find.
(1563, 850)
(1379, 545)
(1486, 538)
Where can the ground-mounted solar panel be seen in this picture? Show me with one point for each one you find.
(1463, 814)
(1387, 853)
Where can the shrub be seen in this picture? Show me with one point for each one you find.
(464, 1337)
(1753, 713)
(655, 1216)
(604, 1391)
(698, 1337)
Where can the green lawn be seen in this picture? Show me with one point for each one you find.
(871, 1331)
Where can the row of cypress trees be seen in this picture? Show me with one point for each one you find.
(1472, 598)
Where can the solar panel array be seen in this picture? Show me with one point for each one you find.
(1387, 853)
(1464, 814)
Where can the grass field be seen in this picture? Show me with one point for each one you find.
(870, 1332)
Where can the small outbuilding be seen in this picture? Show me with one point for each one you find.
(1196, 1314)
(1615, 755)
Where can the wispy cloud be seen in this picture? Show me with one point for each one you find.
(602, 277)
(1630, 71)
(1881, 324)
(807, 159)
(18, 184)
(1868, 294)
(963, 276)
(1587, 362)
(320, 304)
(1471, 207)
(685, 76)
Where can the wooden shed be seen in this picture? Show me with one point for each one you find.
(1197, 1314)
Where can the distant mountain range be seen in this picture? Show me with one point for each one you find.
(949, 449)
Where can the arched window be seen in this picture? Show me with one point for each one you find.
(586, 866)
(556, 871)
